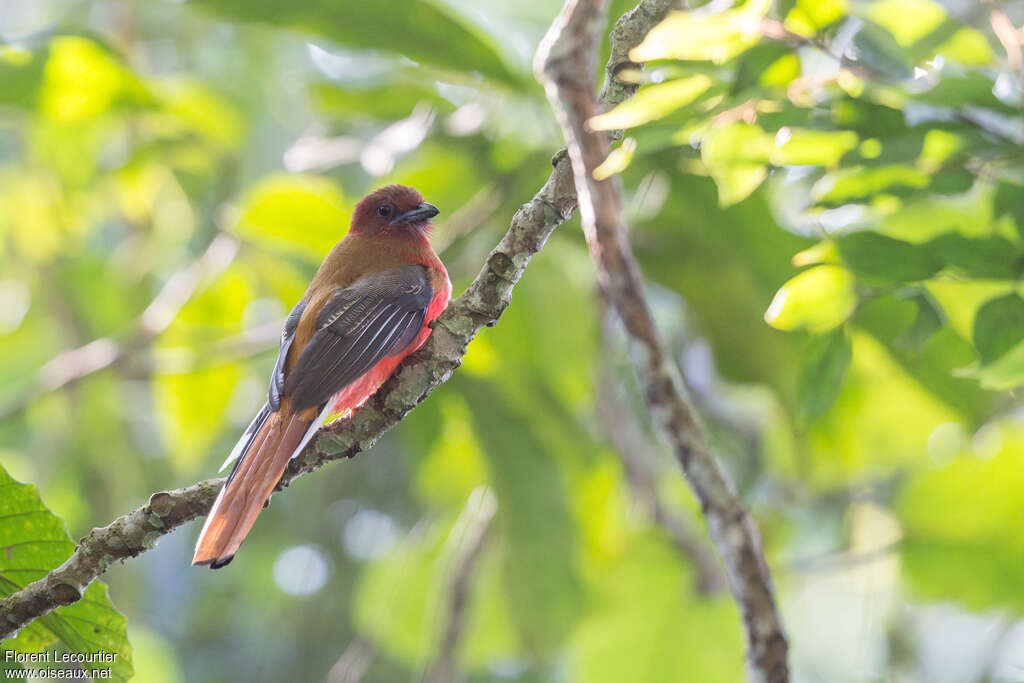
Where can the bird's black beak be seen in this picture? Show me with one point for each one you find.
(422, 213)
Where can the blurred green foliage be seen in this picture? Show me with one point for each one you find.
(827, 199)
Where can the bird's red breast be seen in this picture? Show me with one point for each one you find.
(369, 306)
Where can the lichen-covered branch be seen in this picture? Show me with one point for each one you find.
(564, 65)
(481, 304)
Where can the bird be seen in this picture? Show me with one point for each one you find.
(370, 304)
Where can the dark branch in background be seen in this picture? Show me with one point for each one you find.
(481, 304)
(474, 525)
(564, 63)
(68, 367)
(632, 444)
(354, 662)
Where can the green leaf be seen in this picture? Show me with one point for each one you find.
(991, 257)
(817, 300)
(1009, 201)
(766, 64)
(304, 213)
(427, 32)
(877, 48)
(844, 185)
(922, 28)
(192, 406)
(388, 103)
(736, 156)
(34, 541)
(882, 259)
(927, 322)
(704, 36)
(868, 119)
(999, 326)
(21, 72)
(804, 147)
(825, 364)
(653, 102)
(400, 600)
(1007, 372)
(891, 320)
(534, 519)
(809, 17)
(84, 80)
(192, 390)
(647, 625)
(962, 526)
(960, 89)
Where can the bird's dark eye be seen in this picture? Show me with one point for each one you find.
(385, 210)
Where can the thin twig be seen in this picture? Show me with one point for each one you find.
(481, 304)
(353, 663)
(631, 445)
(1007, 35)
(472, 530)
(74, 365)
(843, 559)
(564, 64)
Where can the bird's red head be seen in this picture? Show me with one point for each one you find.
(393, 209)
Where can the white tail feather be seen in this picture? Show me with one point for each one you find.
(314, 427)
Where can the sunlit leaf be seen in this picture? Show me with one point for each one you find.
(880, 422)
(203, 112)
(455, 465)
(808, 17)
(82, 80)
(960, 520)
(617, 161)
(864, 181)
(933, 362)
(816, 300)
(715, 37)
(736, 155)
(647, 625)
(192, 390)
(922, 28)
(800, 147)
(295, 212)
(653, 102)
(1006, 372)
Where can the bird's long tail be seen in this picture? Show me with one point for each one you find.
(257, 472)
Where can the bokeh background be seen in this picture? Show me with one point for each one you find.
(827, 199)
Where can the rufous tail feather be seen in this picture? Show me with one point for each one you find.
(247, 489)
